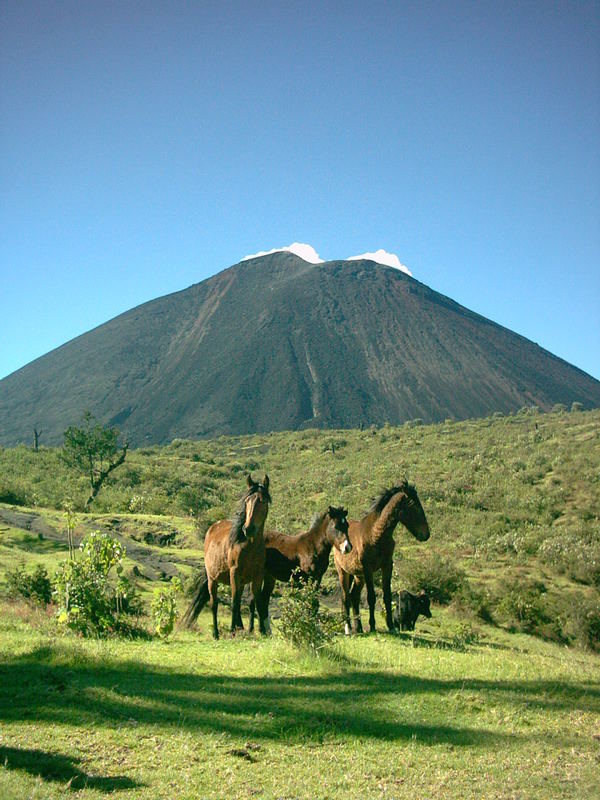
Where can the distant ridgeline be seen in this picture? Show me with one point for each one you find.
(278, 343)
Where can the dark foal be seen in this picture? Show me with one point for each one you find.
(408, 609)
(372, 539)
(234, 553)
(305, 555)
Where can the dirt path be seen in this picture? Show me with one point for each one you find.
(155, 565)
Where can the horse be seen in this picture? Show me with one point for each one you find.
(372, 539)
(234, 553)
(304, 556)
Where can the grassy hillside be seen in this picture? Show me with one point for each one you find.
(468, 706)
(513, 504)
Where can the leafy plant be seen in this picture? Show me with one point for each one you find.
(583, 623)
(303, 622)
(164, 607)
(35, 586)
(522, 605)
(88, 601)
(438, 576)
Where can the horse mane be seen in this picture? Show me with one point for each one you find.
(236, 534)
(386, 495)
(316, 522)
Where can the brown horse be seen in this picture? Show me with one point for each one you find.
(234, 553)
(372, 539)
(304, 556)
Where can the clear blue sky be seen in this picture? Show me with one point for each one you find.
(145, 146)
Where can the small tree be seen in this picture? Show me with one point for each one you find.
(303, 623)
(88, 600)
(95, 450)
(164, 607)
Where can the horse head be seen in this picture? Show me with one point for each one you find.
(411, 512)
(256, 506)
(337, 529)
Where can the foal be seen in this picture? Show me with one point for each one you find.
(372, 539)
(234, 553)
(306, 555)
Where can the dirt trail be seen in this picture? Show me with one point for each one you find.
(155, 565)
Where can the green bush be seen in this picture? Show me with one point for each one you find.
(583, 623)
(89, 602)
(303, 623)
(164, 607)
(469, 600)
(522, 605)
(35, 586)
(438, 576)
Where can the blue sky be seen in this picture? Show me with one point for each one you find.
(145, 146)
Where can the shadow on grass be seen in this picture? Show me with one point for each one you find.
(60, 768)
(356, 703)
(33, 544)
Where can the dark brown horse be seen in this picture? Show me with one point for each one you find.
(234, 553)
(372, 539)
(305, 555)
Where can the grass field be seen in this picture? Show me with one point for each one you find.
(376, 716)
(460, 709)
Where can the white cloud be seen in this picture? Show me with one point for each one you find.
(383, 257)
(304, 251)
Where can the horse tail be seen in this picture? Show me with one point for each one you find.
(200, 597)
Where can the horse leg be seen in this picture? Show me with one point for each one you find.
(386, 581)
(214, 604)
(267, 591)
(258, 599)
(370, 599)
(236, 600)
(345, 595)
(355, 593)
(251, 607)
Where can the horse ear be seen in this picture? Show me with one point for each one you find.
(249, 481)
(266, 481)
(330, 511)
(422, 593)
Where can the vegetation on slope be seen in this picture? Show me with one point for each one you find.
(513, 505)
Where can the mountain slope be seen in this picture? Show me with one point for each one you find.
(277, 343)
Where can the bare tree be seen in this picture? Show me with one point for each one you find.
(36, 438)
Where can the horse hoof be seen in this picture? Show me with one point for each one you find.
(347, 630)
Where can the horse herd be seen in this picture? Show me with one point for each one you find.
(241, 552)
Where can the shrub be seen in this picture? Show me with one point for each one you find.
(35, 586)
(438, 576)
(473, 601)
(522, 605)
(576, 406)
(88, 601)
(583, 623)
(302, 622)
(164, 607)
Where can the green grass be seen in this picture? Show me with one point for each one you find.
(460, 709)
(379, 716)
